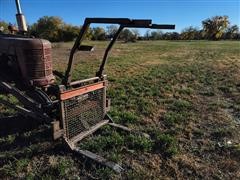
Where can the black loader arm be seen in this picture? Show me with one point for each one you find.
(123, 23)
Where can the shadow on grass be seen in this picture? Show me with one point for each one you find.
(22, 137)
(17, 124)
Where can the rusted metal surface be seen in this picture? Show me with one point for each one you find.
(84, 81)
(82, 90)
(32, 56)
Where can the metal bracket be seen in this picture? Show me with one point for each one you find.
(57, 131)
(114, 166)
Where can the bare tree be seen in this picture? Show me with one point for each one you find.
(111, 30)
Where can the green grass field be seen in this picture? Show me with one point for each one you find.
(184, 94)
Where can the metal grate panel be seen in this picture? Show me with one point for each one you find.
(82, 112)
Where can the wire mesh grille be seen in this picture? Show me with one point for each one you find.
(82, 112)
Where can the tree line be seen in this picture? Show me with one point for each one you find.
(55, 29)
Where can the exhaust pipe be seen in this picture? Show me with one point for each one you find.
(21, 21)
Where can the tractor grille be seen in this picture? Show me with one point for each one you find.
(38, 62)
(82, 112)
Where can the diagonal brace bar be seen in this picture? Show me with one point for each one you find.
(116, 35)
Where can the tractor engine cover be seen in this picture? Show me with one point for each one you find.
(33, 57)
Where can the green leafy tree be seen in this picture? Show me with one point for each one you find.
(3, 27)
(54, 29)
(68, 32)
(49, 27)
(128, 36)
(171, 36)
(156, 35)
(89, 33)
(32, 30)
(215, 27)
(232, 32)
(98, 33)
(190, 33)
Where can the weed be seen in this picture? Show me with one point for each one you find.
(137, 175)
(225, 89)
(104, 173)
(221, 133)
(172, 118)
(166, 144)
(237, 148)
(198, 133)
(102, 143)
(20, 168)
(115, 140)
(124, 117)
(21, 164)
(187, 91)
(144, 106)
(60, 167)
(139, 143)
(10, 139)
(180, 105)
(114, 156)
(207, 93)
